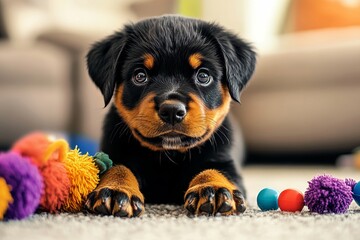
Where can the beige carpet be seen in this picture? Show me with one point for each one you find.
(171, 222)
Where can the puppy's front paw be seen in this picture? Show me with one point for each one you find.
(210, 192)
(209, 200)
(119, 202)
(117, 194)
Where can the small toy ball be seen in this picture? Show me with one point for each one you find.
(5, 197)
(48, 155)
(26, 184)
(267, 199)
(83, 175)
(291, 200)
(356, 193)
(326, 194)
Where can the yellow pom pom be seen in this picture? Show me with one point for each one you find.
(5, 197)
(83, 175)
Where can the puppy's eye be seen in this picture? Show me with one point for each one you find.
(140, 77)
(203, 77)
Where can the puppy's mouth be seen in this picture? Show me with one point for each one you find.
(172, 140)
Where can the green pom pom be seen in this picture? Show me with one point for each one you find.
(102, 161)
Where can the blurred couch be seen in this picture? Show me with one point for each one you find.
(35, 89)
(45, 86)
(43, 78)
(305, 94)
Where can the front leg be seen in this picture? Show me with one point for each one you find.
(210, 192)
(117, 194)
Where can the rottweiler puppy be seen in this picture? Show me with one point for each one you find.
(168, 132)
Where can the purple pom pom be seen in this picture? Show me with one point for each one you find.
(350, 182)
(26, 184)
(327, 194)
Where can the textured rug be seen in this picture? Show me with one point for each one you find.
(171, 222)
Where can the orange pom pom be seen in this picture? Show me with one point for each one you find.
(5, 197)
(83, 175)
(48, 156)
(33, 146)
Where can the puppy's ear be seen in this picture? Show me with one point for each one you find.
(102, 61)
(239, 60)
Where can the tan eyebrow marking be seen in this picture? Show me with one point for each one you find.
(149, 61)
(195, 60)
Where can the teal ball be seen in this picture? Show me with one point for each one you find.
(267, 199)
(356, 189)
(356, 193)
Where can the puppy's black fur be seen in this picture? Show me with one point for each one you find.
(164, 172)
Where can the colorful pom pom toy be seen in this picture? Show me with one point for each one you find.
(48, 156)
(327, 194)
(43, 173)
(83, 175)
(26, 185)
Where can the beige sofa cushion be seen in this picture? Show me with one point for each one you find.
(305, 94)
(35, 90)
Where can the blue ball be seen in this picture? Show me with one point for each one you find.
(356, 189)
(356, 193)
(267, 199)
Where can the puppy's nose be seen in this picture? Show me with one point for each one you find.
(172, 112)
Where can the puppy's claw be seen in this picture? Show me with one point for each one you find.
(107, 201)
(224, 200)
(102, 210)
(207, 207)
(207, 201)
(225, 207)
(239, 201)
(121, 206)
(99, 202)
(90, 201)
(137, 206)
(191, 201)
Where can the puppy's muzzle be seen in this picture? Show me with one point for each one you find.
(172, 112)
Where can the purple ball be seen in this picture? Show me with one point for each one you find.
(327, 194)
(26, 184)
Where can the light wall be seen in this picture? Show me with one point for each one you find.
(258, 21)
